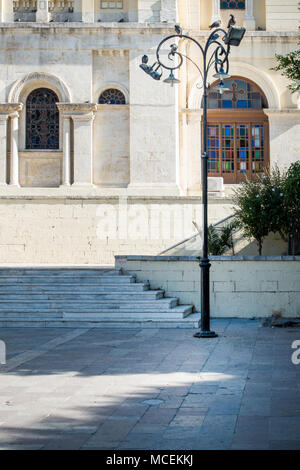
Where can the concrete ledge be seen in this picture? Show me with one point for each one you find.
(119, 258)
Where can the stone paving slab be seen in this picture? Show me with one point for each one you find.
(150, 388)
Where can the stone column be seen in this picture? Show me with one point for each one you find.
(249, 21)
(65, 116)
(216, 13)
(66, 177)
(3, 148)
(42, 13)
(6, 11)
(14, 157)
(9, 110)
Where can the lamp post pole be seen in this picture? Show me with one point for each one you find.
(215, 54)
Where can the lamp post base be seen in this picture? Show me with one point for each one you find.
(205, 334)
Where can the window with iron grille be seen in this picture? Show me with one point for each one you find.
(112, 96)
(42, 120)
(232, 4)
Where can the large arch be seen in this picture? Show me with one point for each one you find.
(246, 71)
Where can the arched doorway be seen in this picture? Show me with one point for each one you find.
(238, 131)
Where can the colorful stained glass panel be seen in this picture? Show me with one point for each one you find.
(213, 148)
(232, 4)
(241, 94)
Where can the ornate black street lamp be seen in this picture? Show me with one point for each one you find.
(215, 54)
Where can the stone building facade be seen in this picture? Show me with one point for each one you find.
(98, 159)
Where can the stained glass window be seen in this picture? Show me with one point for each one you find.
(232, 4)
(236, 150)
(42, 120)
(112, 96)
(237, 131)
(240, 95)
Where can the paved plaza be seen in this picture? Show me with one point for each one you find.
(150, 388)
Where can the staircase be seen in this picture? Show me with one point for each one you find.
(85, 297)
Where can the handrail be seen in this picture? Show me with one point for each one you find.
(196, 234)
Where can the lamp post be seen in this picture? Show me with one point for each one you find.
(215, 54)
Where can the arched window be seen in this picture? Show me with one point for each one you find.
(232, 4)
(237, 131)
(112, 96)
(42, 120)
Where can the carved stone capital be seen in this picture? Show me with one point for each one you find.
(79, 110)
(10, 109)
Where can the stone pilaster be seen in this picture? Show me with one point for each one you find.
(42, 13)
(153, 148)
(82, 115)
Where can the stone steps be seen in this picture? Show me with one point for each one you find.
(73, 288)
(80, 296)
(93, 279)
(84, 296)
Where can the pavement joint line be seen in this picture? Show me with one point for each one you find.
(26, 356)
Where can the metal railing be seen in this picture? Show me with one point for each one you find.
(196, 234)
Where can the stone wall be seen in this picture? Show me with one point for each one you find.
(56, 228)
(242, 287)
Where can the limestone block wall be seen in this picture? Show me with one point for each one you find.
(241, 287)
(44, 226)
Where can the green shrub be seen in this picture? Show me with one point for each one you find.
(220, 240)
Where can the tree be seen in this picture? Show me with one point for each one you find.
(289, 65)
(260, 207)
(291, 188)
